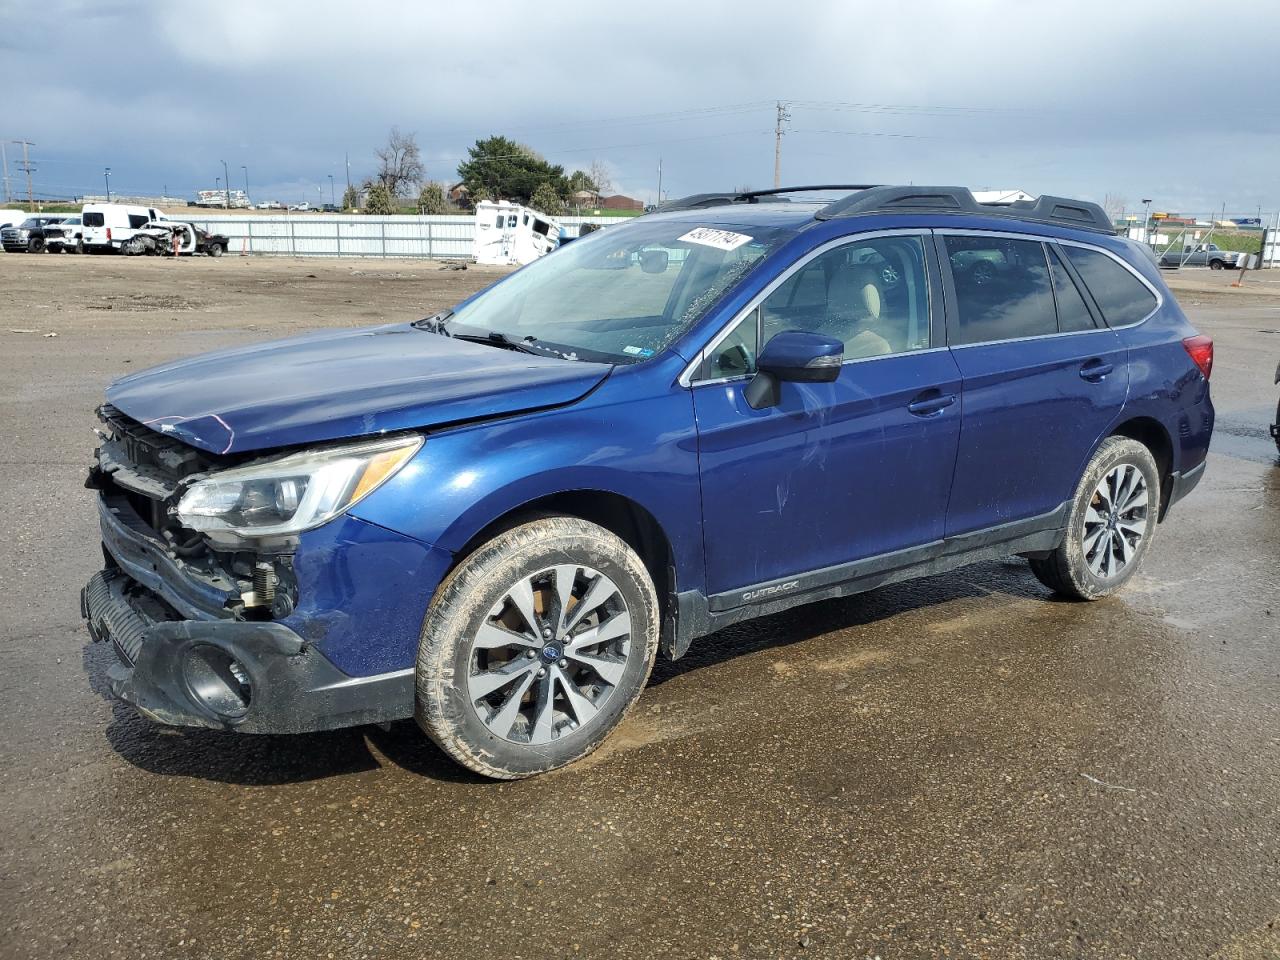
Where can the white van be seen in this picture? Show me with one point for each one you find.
(509, 234)
(11, 218)
(107, 225)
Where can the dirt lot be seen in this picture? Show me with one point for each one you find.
(955, 767)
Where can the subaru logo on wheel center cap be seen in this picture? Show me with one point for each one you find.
(551, 652)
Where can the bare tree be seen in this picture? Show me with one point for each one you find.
(600, 177)
(1113, 205)
(400, 167)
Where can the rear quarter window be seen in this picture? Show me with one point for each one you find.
(1122, 297)
(137, 221)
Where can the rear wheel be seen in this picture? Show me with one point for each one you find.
(535, 647)
(216, 250)
(1111, 525)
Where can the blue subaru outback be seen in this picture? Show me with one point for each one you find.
(494, 519)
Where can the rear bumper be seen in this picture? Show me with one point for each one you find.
(252, 677)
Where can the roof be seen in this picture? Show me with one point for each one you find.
(863, 200)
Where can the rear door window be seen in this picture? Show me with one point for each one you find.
(1122, 297)
(1003, 289)
(94, 220)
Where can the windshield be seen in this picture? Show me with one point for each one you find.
(621, 294)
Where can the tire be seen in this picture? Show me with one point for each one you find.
(1216, 265)
(540, 706)
(35, 245)
(1090, 563)
(79, 248)
(216, 250)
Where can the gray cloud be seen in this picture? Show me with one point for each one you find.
(1136, 99)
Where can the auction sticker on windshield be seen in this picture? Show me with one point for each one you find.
(720, 239)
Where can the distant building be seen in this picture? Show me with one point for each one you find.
(1001, 196)
(619, 202)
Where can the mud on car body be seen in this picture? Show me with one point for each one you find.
(494, 519)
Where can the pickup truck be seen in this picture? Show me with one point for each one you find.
(1203, 255)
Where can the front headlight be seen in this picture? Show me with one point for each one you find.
(294, 493)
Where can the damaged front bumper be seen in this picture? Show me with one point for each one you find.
(253, 677)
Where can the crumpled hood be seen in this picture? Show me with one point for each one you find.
(345, 383)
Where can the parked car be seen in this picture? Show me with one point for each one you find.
(27, 236)
(1203, 255)
(211, 244)
(65, 236)
(106, 226)
(10, 217)
(157, 238)
(302, 207)
(494, 519)
(271, 205)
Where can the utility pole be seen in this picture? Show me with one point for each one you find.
(659, 181)
(246, 184)
(4, 158)
(106, 175)
(27, 168)
(347, 157)
(226, 196)
(783, 117)
(332, 202)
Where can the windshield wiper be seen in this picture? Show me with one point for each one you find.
(436, 323)
(499, 339)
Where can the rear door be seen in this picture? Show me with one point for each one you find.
(836, 472)
(1043, 377)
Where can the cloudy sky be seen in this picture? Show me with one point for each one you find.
(1173, 100)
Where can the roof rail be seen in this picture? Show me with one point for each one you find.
(699, 200)
(1059, 211)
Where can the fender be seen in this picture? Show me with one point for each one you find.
(465, 478)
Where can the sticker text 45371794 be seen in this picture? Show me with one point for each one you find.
(720, 239)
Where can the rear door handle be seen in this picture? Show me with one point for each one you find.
(931, 403)
(1095, 371)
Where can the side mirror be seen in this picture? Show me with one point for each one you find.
(795, 356)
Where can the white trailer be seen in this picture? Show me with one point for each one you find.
(508, 234)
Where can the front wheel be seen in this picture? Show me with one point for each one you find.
(1216, 265)
(1111, 525)
(535, 647)
(216, 250)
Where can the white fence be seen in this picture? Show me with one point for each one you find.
(356, 235)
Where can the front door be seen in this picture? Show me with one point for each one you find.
(840, 471)
(1043, 378)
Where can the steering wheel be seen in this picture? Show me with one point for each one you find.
(983, 271)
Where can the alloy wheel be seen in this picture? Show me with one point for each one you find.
(1115, 522)
(549, 654)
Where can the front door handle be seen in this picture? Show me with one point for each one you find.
(931, 403)
(1095, 370)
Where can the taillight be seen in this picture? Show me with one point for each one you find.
(108, 234)
(1200, 349)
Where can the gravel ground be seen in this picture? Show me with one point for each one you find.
(960, 766)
